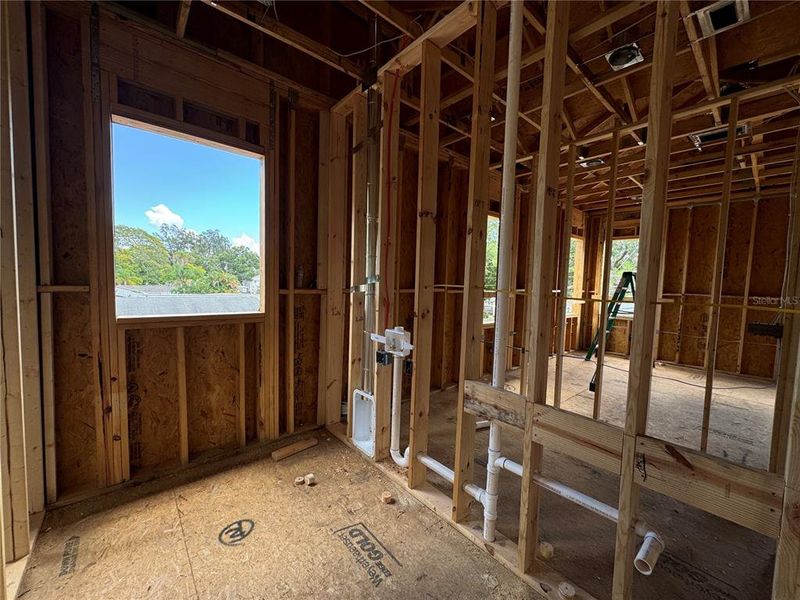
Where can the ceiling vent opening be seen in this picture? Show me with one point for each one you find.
(715, 135)
(625, 56)
(722, 15)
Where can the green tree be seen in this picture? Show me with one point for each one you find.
(194, 263)
(139, 257)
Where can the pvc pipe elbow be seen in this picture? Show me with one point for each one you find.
(401, 460)
(648, 554)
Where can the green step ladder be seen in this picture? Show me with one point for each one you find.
(628, 280)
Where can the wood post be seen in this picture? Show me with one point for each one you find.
(183, 402)
(605, 285)
(427, 190)
(12, 415)
(542, 276)
(563, 275)
(719, 269)
(656, 170)
(358, 245)
(290, 251)
(477, 210)
(334, 329)
(786, 580)
(388, 211)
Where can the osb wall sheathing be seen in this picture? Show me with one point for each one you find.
(688, 278)
(212, 386)
(152, 393)
(75, 385)
(253, 370)
(76, 392)
(130, 52)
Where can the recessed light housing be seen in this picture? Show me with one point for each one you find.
(591, 162)
(715, 135)
(625, 56)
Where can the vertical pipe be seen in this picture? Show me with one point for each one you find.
(604, 305)
(719, 270)
(373, 185)
(564, 276)
(504, 261)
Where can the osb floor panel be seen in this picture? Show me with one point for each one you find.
(162, 539)
(705, 557)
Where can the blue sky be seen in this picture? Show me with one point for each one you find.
(161, 179)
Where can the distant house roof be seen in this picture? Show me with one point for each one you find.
(154, 300)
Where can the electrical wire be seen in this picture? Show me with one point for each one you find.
(357, 52)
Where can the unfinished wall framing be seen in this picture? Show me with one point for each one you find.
(390, 132)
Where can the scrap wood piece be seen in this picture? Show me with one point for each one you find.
(294, 448)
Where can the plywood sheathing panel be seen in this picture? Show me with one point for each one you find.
(68, 210)
(306, 186)
(75, 394)
(702, 238)
(737, 249)
(730, 320)
(676, 250)
(211, 386)
(253, 370)
(769, 252)
(306, 364)
(766, 281)
(152, 393)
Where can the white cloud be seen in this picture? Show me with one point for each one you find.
(246, 241)
(160, 214)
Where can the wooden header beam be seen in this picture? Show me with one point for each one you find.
(296, 40)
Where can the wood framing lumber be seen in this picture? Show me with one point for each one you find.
(749, 497)
(647, 279)
(294, 448)
(291, 207)
(14, 494)
(183, 17)
(477, 211)
(786, 578)
(427, 190)
(388, 216)
(334, 329)
(563, 272)
(719, 266)
(606, 277)
(541, 275)
(289, 36)
(183, 400)
(25, 249)
(790, 353)
(241, 413)
(358, 245)
(457, 21)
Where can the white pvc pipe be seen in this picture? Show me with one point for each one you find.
(437, 467)
(509, 465)
(397, 393)
(504, 248)
(579, 498)
(652, 544)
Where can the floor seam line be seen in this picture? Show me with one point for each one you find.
(186, 548)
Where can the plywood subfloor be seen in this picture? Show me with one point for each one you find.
(705, 557)
(161, 539)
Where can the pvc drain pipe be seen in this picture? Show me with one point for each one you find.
(437, 467)
(397, 392)
(652, 544)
